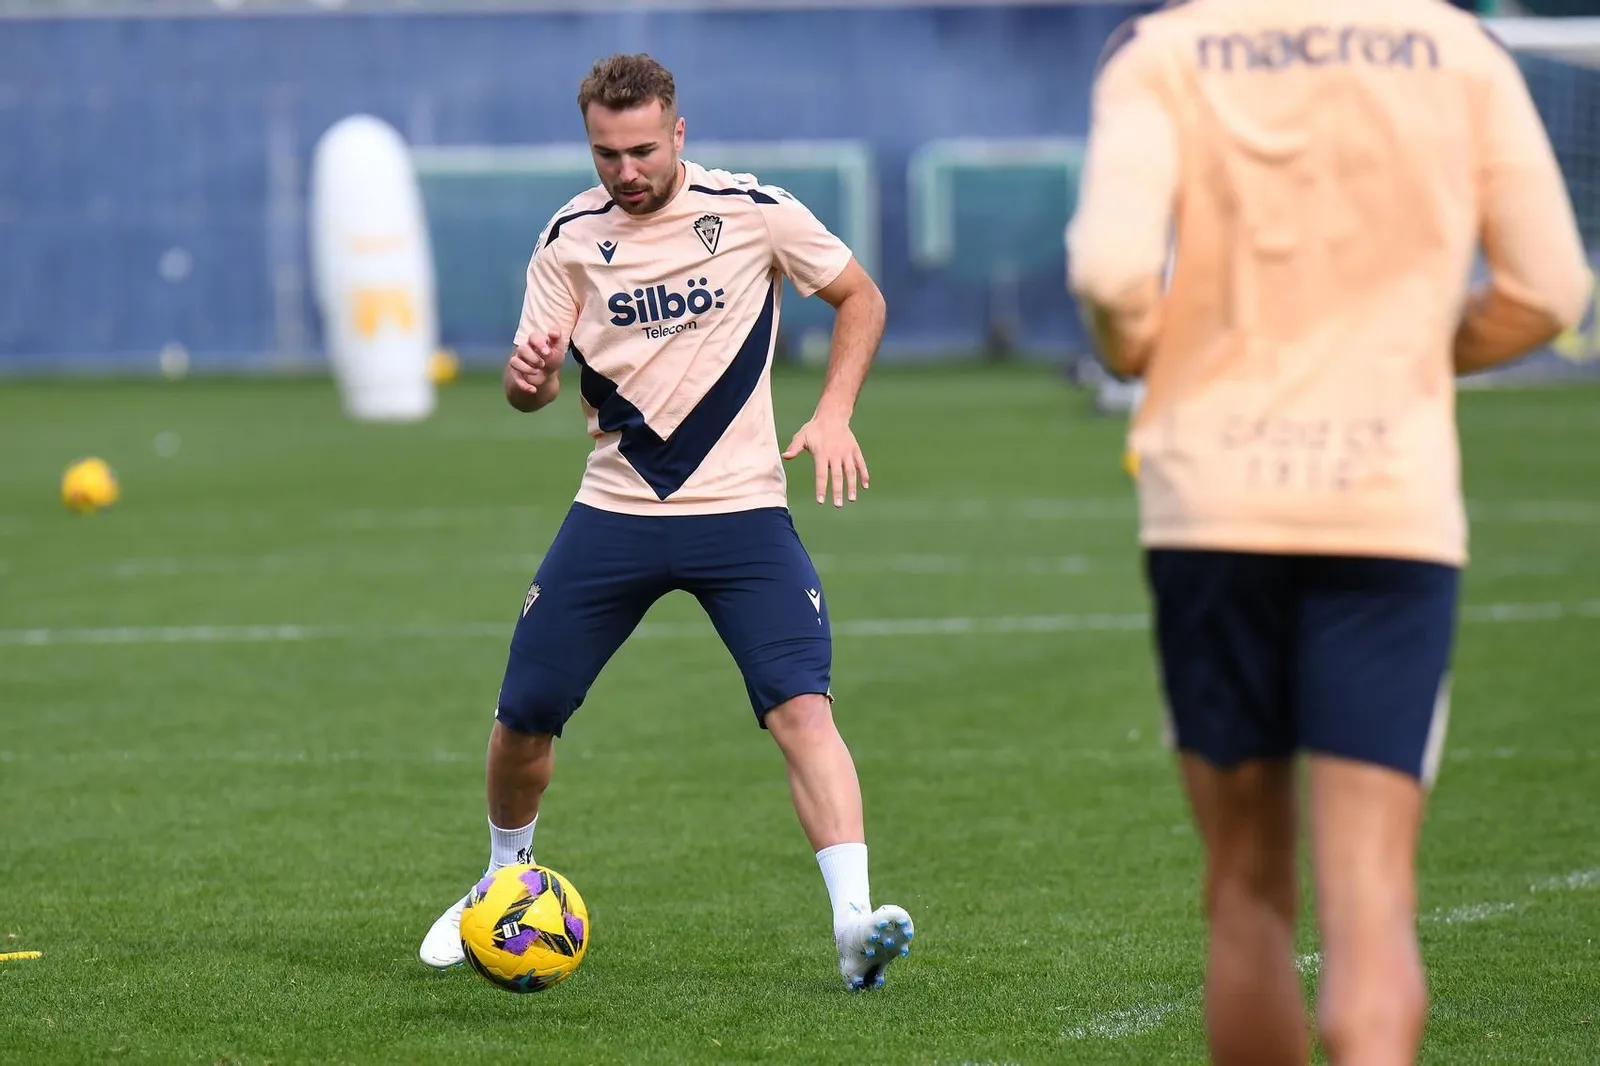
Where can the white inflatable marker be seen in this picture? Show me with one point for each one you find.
(373, 269)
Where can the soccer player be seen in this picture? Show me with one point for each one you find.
(661, 286)
(1327, 170)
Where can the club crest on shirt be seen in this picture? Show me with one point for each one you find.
(708, 228)
(533, 594)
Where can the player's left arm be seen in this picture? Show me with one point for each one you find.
(820, 264)
(859, 312)
(1118, 240)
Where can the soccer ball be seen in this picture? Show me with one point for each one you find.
(88, 485)
(525, 928)
(444, 366)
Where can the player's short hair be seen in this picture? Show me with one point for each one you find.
(621, 82)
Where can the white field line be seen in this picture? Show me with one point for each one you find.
(1143, 1017)
(1523, 566)
(1121, 1024)
(274, 564)
(1511, 754)
(1119, 757)
(1122, 508)
(930, 564)
(941, 565)
(241, 757)
(288, 757)
(958, 625)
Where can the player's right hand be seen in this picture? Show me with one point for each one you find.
(533, 363)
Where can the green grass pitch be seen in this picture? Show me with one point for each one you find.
(242, 718)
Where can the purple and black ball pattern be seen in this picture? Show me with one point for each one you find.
(527, 952)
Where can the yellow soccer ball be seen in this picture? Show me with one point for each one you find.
(524, 928)
(444, 366)
(89, 485)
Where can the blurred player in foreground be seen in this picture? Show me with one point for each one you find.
(662, 284)
(1327, 169)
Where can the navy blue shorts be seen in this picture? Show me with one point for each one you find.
(748, 569)
(1266, 655)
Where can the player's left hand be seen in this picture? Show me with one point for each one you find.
(837, 455)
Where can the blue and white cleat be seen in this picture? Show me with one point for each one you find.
(441, 948)
(868, 943)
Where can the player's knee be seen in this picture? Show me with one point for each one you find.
(1257, 860)
(536, 700)
(1247, 820)
(809, 712)
(1260, 888)
(789, 683)
(1372, 1013)
(519, 744)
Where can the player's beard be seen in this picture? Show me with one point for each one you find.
(656, 194)
(654, 200)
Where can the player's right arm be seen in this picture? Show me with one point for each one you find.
(1538, 275)
(549, 312)
(1119, 238)
(533, 373)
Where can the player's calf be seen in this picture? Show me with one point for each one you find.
(1366, 821)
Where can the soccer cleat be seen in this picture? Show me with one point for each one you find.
(868, 943)
(441, 948)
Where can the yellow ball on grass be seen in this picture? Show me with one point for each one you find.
(444, 366)
(525, 928)
(89, 485)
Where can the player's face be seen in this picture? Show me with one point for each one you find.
(636, 154)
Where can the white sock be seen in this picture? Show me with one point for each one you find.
(844, 869)
(508, 847)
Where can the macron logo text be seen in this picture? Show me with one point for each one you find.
(1318, 46)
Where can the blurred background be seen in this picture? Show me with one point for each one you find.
(154, 174)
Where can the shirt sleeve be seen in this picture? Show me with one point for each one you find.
(548, 302)
(1539, 279)
(1119, 238)
(802, 247)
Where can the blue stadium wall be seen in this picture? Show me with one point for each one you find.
(152, 170)
(124, 139)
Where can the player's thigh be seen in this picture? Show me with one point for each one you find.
(1365, 821)
(600, 576)
(760, 588)
(1225, 645)
(1247, 817)
(1376, 637)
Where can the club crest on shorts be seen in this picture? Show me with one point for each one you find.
(533, 594)
(709, 229)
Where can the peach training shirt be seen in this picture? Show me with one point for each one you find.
(671, 319)
(1321, 174)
